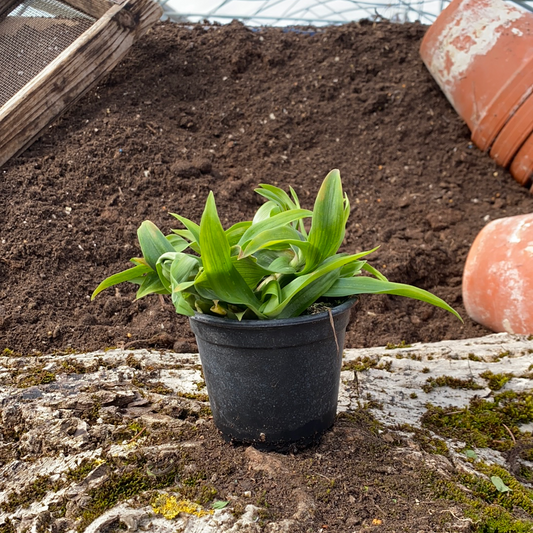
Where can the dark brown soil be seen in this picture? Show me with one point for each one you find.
(199, 108)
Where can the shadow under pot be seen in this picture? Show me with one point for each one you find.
(273, 383)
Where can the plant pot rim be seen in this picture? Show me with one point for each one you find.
(275, 322)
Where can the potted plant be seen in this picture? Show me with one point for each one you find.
(269, 301)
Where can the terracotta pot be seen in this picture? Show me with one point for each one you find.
(498, 276)
(522, 165)
(513, 134)
(480, 52)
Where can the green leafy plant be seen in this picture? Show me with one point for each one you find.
(266, 268)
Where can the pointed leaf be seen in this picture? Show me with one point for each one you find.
(367, 285)
(374, 272)
(265, 238)
(276, 221)
(186, 234)
(153, 243)
(235, 232)
(178, 243)
(276, 195)
(298, 285)
(151, 285)
(190, 225)
(266, 211)
(250, 271)
(128, 275)
(328, 224)
(223, 277)
(309, 295)
(294, 197)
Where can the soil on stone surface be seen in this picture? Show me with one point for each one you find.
(133, 436)
(224, 108)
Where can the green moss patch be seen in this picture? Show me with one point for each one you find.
(496, 381)
(448, 381)
(366, 362)
(484, 423)
(491, 510)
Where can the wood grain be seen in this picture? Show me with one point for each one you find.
(94, 8)
(6, 6)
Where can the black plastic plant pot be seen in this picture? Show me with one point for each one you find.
(273, 383)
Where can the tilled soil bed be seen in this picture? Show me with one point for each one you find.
(224, 108)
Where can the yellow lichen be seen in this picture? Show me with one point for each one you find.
(170, 507)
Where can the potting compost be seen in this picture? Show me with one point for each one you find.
(202, 107)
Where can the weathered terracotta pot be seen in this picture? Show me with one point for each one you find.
(522, 165)
(480, 52)
(498, 276)
(513, 135)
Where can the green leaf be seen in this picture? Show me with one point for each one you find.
(153, 243)
(276, 261)
(222, 276)
(267, 210)
(128, 275)
(271, 287)
(270, 238)
(278, 196)
(307, 295)
(151, 285)
(282, 265)
(183, 269)
(471, 454)
(352, 269)
(367, 285)
(219, 504)
(176, 267)
(270, 223)
(181, 305)
(250, 271)
(203, 287)
(235, 232)
(328, 224)
(294, 197)
(323, 282)
(374, 272)
(499, 484)
(190, 225)
(178, 243)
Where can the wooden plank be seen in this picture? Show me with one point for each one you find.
(72, 73)
(94, 8)
(6, 6)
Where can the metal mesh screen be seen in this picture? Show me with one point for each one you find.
(304, 12)
(32, 35)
